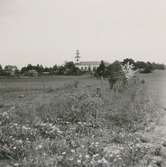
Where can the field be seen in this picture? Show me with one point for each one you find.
(78, 121)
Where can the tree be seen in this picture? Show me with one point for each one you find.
(70, 69)
(39, 68)
(116, 73)
(145, 67)
(30, 67)
(1, 69)
(60, 70)
(54, 69)
(140, 65)
(148, 68)
(130, 61)
(101, 70)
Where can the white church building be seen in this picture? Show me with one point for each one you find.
(87, 65)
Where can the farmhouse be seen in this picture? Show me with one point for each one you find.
(11, 70)
(89, 65)
(33, 73)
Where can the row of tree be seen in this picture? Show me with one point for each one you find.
(145, 67)
(140, 66)
(69, 68)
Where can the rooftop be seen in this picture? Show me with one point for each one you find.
(90, 63)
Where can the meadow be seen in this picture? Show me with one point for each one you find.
(77, 121)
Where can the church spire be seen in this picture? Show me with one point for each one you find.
(77, 57)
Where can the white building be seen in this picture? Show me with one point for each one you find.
(89, 65)
(10, 69)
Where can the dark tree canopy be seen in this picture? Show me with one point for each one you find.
(101, 70)
(127, 60)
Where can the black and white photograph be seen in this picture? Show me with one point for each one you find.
(82, 83)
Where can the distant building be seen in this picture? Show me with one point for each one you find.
(89, 65)
(11, 70)
(33, 73)
(46, 73)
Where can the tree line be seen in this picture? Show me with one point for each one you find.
(69, 68)
(118, 73)
(140, 66)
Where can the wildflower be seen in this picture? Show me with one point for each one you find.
(19, 141)
(39, 146)
(50, 124)
(63, 153)
(87, 156)
(71, 159)
(97, 143)
(73, 151)
(99, 161)
(25, 128)
(82, 146)
(15, 124)
(14, 148)
(16, 164)
(104, 161)
(60, 132)
(60, 158)
(4, 114)
(92, 161)
(79, 161)
(95, 155)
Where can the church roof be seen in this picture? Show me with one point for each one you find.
(90, 63)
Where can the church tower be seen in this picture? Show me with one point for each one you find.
(77, 57)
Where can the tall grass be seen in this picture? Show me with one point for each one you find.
(75, 126)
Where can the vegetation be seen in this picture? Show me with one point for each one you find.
(116, 69)
(69, 68)
(77, 121)
(67, 125)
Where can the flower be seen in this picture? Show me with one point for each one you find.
(87, 156)
(73, 151)
(63, 153)
(79, 161)
(39, 146)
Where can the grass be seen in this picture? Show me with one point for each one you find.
(47, 122)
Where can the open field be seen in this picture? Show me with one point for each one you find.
(79, 121)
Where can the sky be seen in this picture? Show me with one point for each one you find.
(49, 31)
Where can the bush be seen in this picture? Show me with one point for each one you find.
(116, 75)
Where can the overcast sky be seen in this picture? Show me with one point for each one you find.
(49, 31)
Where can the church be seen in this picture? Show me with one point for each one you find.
(87, 65)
